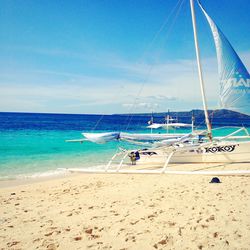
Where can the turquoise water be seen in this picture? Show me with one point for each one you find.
(32, 151)
(33, 145)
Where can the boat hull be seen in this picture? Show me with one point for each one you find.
(221, 152)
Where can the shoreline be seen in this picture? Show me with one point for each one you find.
(61, 173)
(12, 183)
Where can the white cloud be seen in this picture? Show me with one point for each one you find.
(173, 84)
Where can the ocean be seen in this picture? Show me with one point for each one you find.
(33, 145)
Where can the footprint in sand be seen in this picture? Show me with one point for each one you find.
(204, 226)
(131, 238)
(171, 224)
(215, 234)
(36, 240)
(48, 234)
(180, 231)
(161, 242)
(77, 238)
(13, 243)
(89, 231)
(52, 246)
(200, 246)
(210, 218)
(151, 216)
(134, 222)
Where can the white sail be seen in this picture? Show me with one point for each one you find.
(101, 138)
(234, 77)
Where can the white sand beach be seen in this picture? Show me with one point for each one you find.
(125, 211)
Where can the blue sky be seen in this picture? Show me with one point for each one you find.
(109, 56)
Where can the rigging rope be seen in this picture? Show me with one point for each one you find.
(175, 11)
(178, 6)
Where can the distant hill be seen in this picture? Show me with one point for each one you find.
(217, 117)
(222, 113)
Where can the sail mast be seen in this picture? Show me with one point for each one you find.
(204, 100)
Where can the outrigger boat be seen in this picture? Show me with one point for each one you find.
(139, 138)
(197, 146)
(170, 124)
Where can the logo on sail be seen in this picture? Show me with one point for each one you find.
(220, 149)
(237, 82)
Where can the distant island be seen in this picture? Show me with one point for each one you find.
(198, 113)
(219, 117)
